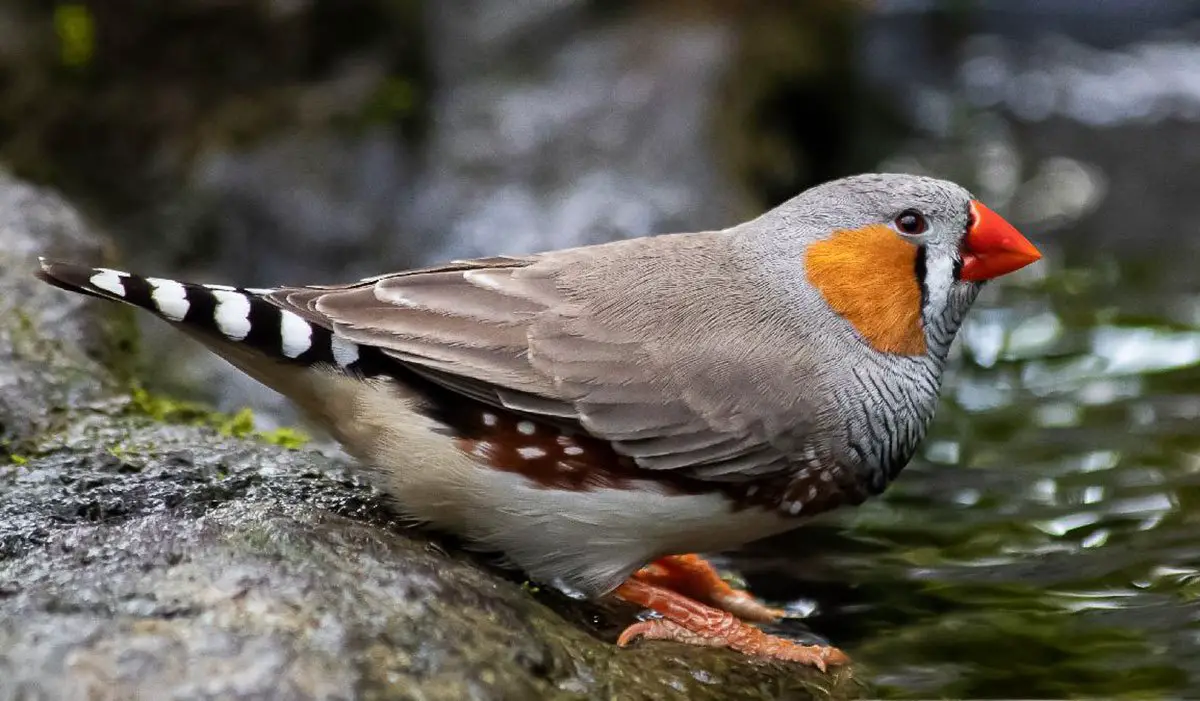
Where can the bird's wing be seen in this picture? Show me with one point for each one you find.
(606, 337)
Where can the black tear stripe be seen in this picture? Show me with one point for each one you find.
(921, 267)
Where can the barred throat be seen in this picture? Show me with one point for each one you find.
(945, 303)
(940, 329)
(887, 411)
(238, 315)
(889, 406)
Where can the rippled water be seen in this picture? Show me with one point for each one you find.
(1047, 541)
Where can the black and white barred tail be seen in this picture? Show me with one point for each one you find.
(234, 314)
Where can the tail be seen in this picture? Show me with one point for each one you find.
(238, 318)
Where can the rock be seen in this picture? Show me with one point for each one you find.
(144, 559)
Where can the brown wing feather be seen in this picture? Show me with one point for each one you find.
(537, 335)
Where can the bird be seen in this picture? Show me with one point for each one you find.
(601, 414)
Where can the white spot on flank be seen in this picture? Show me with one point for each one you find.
(795, 508)
(344, 352)
(531, 452)
(812, 492)
(109, 281)
(295, 334)
(170, 297)
(826, 476)
(752, 490)
(565, 440)
(573, 450)
(566, 467)
(527, 428)
(232, 314)
(489, 419)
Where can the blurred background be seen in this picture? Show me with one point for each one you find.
(1046, 543)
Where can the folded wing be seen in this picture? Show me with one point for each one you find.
(539, 336)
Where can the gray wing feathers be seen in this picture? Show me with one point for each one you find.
(517, 333)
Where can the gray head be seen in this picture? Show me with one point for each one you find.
(901, 257)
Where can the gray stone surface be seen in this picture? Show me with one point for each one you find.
(149, 560)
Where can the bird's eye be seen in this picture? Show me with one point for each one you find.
(911, 222)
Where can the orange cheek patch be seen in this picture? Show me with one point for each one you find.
(868, 276)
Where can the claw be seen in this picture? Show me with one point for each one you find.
(690, 622)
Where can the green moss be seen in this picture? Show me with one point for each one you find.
(237, 425)
(9, 454)
(174, 411)
(76, 30)
(290, 438)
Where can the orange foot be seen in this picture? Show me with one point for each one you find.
(691, 622)
(696, 578)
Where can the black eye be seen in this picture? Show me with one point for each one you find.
(911, 222)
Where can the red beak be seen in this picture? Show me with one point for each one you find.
(993, 247)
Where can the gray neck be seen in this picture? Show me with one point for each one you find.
(893, 398)
(943, 321)
(888, 407)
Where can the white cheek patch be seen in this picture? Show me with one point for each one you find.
(939, 277)
(169, 297)
(232, 314)
(109, 280)
(295, 334)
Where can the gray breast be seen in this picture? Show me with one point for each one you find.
(885, 410)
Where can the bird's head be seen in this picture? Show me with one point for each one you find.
(900, 257)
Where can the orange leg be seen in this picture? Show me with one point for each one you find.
(696, 578)
(688, 621)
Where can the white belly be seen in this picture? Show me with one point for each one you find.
(590, 539)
